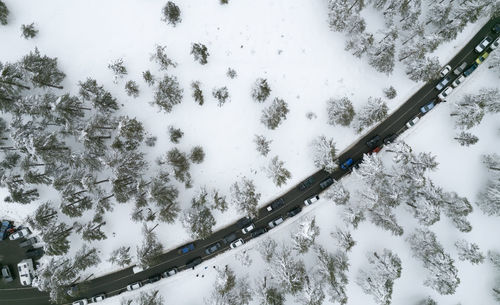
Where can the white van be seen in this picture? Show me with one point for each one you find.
(26, 271)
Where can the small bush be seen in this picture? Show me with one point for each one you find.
(197, 155)
(29, 30)
(171, 13)
(132, 88)
(175, 134)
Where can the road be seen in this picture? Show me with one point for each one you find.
(116, 282)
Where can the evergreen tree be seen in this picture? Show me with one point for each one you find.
(101, 99)
(221, 94)
(152, 297)
(175, 134)
(469, 251)
(164, 196)
(197, 154)
(56, 239)
(118, 68)
(229, 290)
(43, 217)
(151, 248)
(390, 92)
(338, 12)
(288, 271)
(132, 88)
(197, 93)
(231, 73)
(85, 257)
(148, 78)
(29, 30)
(168, 93)
(489, 198)
(305, 235)
(274, 114)
(171, 13)
(358, 44)
(245, 197)
(180, 164)
(120, 256)
(92, 230)
(457, 208)
(200, 53)
(219, 201)
(340, 111)
(260, 90)
(338, 193)
(130, 134)
(344, 239)
(324, 154)
(353, 215)
(427, 301)
(277, 172)
(381, 56)
(42, 70)
(4, 13)
(262, 144)
(333, 267)
(422, 69)
(161, 58)
(466, 138)
(313, 293)
(373, 112)
(267, 248)
(199, 221)
(269, 293)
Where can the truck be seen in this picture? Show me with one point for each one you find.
(26, 271)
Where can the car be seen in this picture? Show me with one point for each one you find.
(412, 122)
(229, 238)
(376, 150)
(483, 44)
(326, 183)
(137, 269)
(237, 243)
(373, 142)
(311, 200)
(460, 68)
(154, 278)
(29, 242)
(248, 229)
(495, 44)
(20, 234)
(258, 232)
(305, 184)
(346, 164)
(496, 28)
(294, 211)
(458, 81)
(243, 222)
(275, 204)
(6, 275)
(470, 69)
(4, 229)
(134, 286)
(481, 58)
(275, 222)
(443, 83)
(390, 138)
(212, 248)
(35, 253)
(442, 96)
(445, 70)
(426, 108)
(81, 302)
(185, 249)
(194, 262)
(169, 272)
(98, 298)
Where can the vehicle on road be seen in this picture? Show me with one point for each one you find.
(35, 253)
(229, 238)
(460, 68)
(258, 232)
(294, 211)
(6, 275)
(412, 122)
(426, 108)
(495, 44)
(373, 142)
(496, 28)
(326, 183)
(375, 150)
(481, 58)
(470, 69)
(311, 200)
(26, 271)
(29, 242)
(458, 81)
(276, 204)
(445, 81)
(483, 44)
(154, 278)
(390, 138)
(213, 248)
(275, 222)
(243, 222)
(20, 234)
(248, 229)
(346, 164)
(4, 228)
(445, 70)
(134, 286)
(81, 302)
(185, 249)
(194, 262)
(137, 269)
(237, 243)
(169, 272)
(445, 93)
(98, 298)
(306, 183)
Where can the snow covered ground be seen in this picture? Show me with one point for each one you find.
(288, 43)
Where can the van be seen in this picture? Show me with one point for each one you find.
(326, 183)
(26, 271)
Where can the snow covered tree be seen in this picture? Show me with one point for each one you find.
(130, 134)
(340, 111)
(443, 275)
(151, 248)
(358, 44)
(229, 289)
(324, 154)
(267, 248)
(199, 221)
(337, 193)
(466, 138)
(180, 164)
(148, 77)
(260, 90)
(312, 293)
(422, 69)
(221, 94)
(390, 92)
(277, 172)
(200, 53)
(164, 196)
(469, 252)
(489, 198)
(168, 93)
(197, 93)
(245, 197)
(118, 68)
(42, 70)
(29, 30)
(333, 267)
(268, 293)
(56, 239)
(161, 58)
(197, 154)
(175, 134)
(171, 13)
(4, 13)
(494, 62)
(488, 98)
(43, 217)
(86, 257)
(101, 99)
(92, 230)
(343, 238)
(262, 144)
(305, 235)
(382, 216)
(338, 12)
(120, 256)
(428, 301)
(274, 114)
(219, 201)
(151, 297)
(288, 271)
(231, 73)
(353, 215)
(131, 88)
(378, 279)
(457, 208)
(381, 56)
(373, 112)
(467, 114)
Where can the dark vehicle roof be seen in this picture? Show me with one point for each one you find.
(306, 183)
(294, 212)
(277, 203)
(390, 138)
(212, 248)
(243, 222)
(326, 183)
(37, 252)
(194, 262)
(186, 248)
(373, 141)
(229, 238)
(259, 232)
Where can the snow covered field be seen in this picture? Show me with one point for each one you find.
(290, 44)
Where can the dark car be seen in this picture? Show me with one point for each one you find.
(194, 262)
(35, 253)
(305, 184)
(154, 278)
(185, 249)
(29, 242)
(6, 275)
(496, 28)
(373, 142)
(346, 164)
(259, 232)
(229, 238)
(276, 204)
(294, 212)
(390, 138)
(4, 227)
(326, 183)
(470, 69)
(169, 272)
(213, 248)
(244, 222)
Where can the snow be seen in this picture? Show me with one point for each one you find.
(288, 43)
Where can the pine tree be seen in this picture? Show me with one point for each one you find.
(199, 221)
(260, 90)
(262, 144)
(338, 193)
(161, 58)
(305, 235)
(340, 111)
(267, 248)
(457, 208)
(151, 248)
(277, 172)
(200, 53)
(120, 256)
(164, 196)
(118, 68)
(29, 30)
(180, 164)
(43, 217)
(152, 297)
(42, 70)
(324, 154)
(132, 88)
(338, 13)
(168, 93)
(231, 73)
(101, 99)
(171, 13)
(148, 78)
(221, 94)
(229, 290)
(269, 293)
(469, 251)
(390, 92)
(130, 134)
(245, 197)
(352, 216)
(56, 239)
(489, 198)
(85, 257)
(333, 267)
(175, 134)
(466, 138)
(427, 301)
(344, 239)
(197, 155)
(381, 56)
(288, 271)
(373, 112)
(92, 230)
(422, 69)
(4, 13)
(313, 293)
(358, 44)
(197, 93)
(274, 114)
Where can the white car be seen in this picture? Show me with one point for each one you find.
(248, 228)
(495, 43)
(275, 222)
(98, 298)
(81, 302)
(483, 44)
(311, 200)
(442, 96)
(445, 70)
(236, 243)
(20, 234)
(412, 122)
(134, 286)
(458, 81)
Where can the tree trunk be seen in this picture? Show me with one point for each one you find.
(52, 86)
(15, 84)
